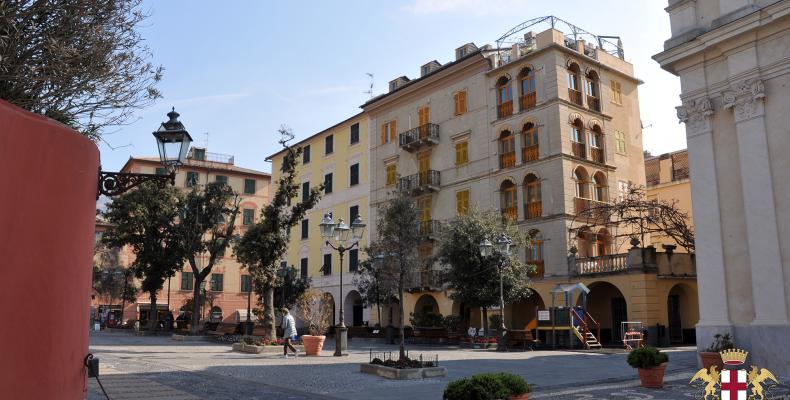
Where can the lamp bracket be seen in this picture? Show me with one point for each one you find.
(114, 183)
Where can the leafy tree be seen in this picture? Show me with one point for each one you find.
(474, 278)
(372, 284)
(396, 247)
(289, 287)
(145, 219)
(81, 62)
(108, 282)
(207, 224)
(266, 241)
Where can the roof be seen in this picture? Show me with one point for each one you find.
(200, 164)
(269, 158)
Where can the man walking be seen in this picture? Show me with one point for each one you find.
(289, 332)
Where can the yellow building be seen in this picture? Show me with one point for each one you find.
(668, 181)
(338, 157)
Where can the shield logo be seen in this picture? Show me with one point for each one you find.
(734, 385)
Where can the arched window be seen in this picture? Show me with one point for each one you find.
(507, 196)
(577, 139)
(504, 97)
(584, 243)
(574, 86)
(601, 188)
(582, 182)
(535, 253)
(527, 83)
(507, 150)
(532, 201)
(603, 243)
(592, 91)
(595, 141)
(529, 135)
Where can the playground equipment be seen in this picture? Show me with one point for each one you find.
(563, 322)
(632, 334)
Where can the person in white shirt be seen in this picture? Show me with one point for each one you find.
(289, 332)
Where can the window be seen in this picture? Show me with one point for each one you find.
(187, 281)
(576, 132)
(303, 268)
(533, 207)
(535, 253)
(601, 192)
(222, 179)
(305, 191)
(199, 154)
(388, 131)
(329, 144)
(462, 202)
(353, 212)
(221, 250)
(161, 171)
(461, 153)
(192, 178)
(248, 216)
(246, 283)
(619, 137)
(507, 193)
(592, 92)
(306, 155)
(527, 81)
(328, 183)
(327, 268)
(622, 190)
(504, 98)
(216, 282)
(574, 88)
(249, 186)
(305, 228)
(353, 260)
(392, 173)
(460, 102)
(354, 174)
(617, 94)
(354, 133)
(507, 150)
(424, 115)
(529, 142)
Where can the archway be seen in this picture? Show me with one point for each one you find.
(524, 311)
(327, 298)
(353, 308)
(682, 314)
(607, 305)
(426, 304)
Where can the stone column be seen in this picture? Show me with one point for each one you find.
(517, 144)
(711, 276)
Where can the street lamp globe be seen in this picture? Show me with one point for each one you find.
(342, 231)
(327, 226)
(503, 244)
(173, 142)
(486, 248)
(358, 228)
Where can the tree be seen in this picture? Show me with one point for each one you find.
(266, 241)
(371, 283)
(289, 288)
(398, 238)
(145, 219)
(80, 62)
(207, 224)
(316, 313)
(108, 282)
(474, 278)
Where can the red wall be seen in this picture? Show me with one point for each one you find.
(47, 210)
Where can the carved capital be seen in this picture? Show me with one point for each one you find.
(695, 114)
(745, 97)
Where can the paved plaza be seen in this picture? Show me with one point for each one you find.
(153, 368)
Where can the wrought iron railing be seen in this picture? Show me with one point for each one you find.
(602, 264)
(425, 133)
(429, 179)
(430, 228)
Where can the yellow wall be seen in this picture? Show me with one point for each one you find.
(668, 190)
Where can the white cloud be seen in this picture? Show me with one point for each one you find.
(476, 7)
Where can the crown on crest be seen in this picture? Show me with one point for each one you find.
(734, 356)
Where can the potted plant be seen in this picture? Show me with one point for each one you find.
(491, 386)
(650, 363)
(316, 314)
(712, 355)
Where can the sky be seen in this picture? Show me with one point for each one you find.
(238, 70)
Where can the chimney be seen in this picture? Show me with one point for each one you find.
(429, 67)
(398, 82)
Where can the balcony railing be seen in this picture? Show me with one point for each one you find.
(578, 149)
(425, 134)
(507, 160)
(530, 153)
(602, 264)
(575, 96)
(429, 180)
(510, 212)
(580, 204)
(594, 103)
(528, 101)
(430, 228)
(597, 155)
(540, 269)
(504, 109)
(426, 279)
(533, 210)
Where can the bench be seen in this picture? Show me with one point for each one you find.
(522, 337)
(429, 334)
(223, 329)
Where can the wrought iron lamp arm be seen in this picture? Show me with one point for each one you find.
(342, 248)
(114, 183)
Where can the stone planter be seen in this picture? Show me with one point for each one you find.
(254, 349)
(652, 377)
(313, 344)
(710, 358)
(403, 374)
(524, 396)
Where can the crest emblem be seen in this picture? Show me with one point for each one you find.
(732, 383)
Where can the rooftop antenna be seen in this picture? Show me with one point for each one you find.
(369, 92)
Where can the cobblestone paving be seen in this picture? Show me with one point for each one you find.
(207, 370)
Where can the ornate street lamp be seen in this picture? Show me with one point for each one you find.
(173, 142)
(503, 246)
(339, 233)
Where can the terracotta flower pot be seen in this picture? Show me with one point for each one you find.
(711, 358)
(652, 377)
(524, 396)
(313, 344)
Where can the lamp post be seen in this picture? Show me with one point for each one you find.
(486, 250)
(249, 305)
(173, 142)
(339, 233)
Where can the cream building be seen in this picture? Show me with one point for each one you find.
(734, 68)
(338, 157)
(668, 181)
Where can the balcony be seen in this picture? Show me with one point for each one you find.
(421, 182)
(594, 103)
(530, 153)
(423, 135)
(539, 271)
(597, 155)
(504, 109)
(507, 160)
(528, 101)
(510, 212)
(575, 96)
(578, 149)
(430, 229)
(533, 210)
(425, 280)
(602, 264)
(580, 205)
